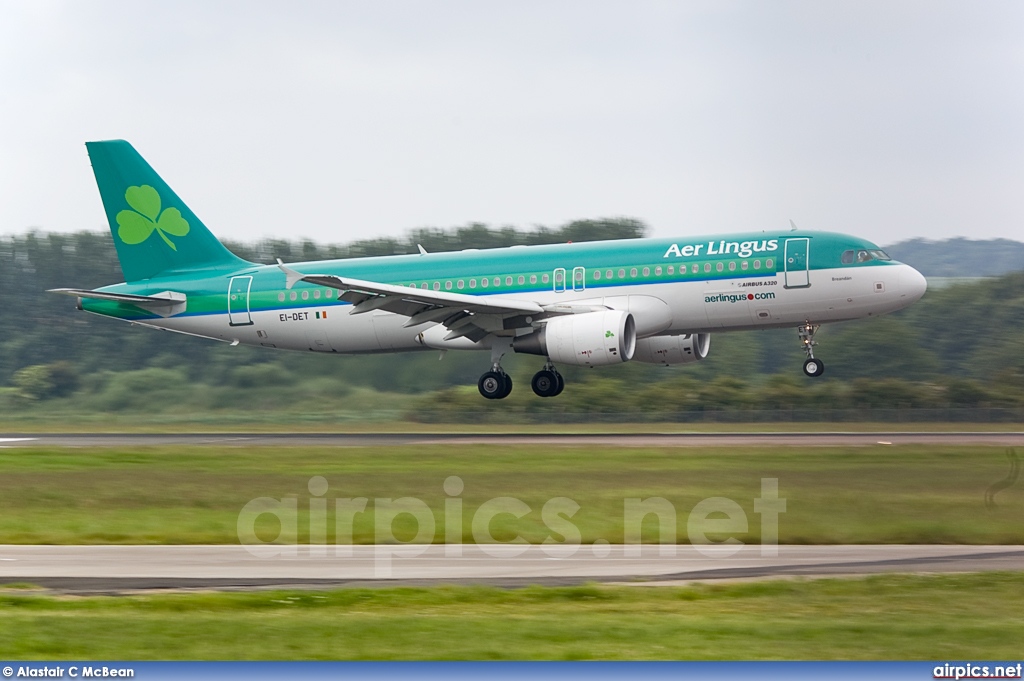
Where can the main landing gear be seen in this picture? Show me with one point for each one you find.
(547, 382)
(813, 367)
(497, 385)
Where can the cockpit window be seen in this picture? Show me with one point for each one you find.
(848, 257)
(873, 254)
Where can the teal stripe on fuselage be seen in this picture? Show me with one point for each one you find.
(207, 294)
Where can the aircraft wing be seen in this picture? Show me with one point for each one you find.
(471, 316)
(165, 304)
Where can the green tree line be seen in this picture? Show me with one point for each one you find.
(960, 257)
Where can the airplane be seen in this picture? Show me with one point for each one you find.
(585, 304)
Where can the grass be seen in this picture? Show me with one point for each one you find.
(879, 494)
(880, 618)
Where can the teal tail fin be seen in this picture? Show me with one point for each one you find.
(155, 233)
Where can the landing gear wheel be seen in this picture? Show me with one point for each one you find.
(561, 384)
(546, 383)
(814, 367)
(507, 390)
(494, 385)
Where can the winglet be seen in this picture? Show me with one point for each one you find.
(423, 251)
(792, 225)
(291, 276)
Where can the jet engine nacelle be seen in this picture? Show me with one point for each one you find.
(668, 350)
(591, 339)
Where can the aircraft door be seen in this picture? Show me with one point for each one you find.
(559, 279)
(797, 263)
(579, 279)
(238, 301)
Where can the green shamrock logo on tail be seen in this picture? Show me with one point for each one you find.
(135, 226)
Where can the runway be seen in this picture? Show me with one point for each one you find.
(649, 439)
(113, 569)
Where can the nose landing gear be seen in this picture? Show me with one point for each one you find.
(812, 367)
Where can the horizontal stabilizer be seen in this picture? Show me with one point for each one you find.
(165, 304)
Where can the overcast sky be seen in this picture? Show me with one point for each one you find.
(346, 120)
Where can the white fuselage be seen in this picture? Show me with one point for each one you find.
(669, 308)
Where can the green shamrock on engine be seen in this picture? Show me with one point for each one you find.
(135, 226)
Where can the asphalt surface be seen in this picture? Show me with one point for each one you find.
(117, 569)
(652, 439)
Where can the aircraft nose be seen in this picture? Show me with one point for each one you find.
(912, 284)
